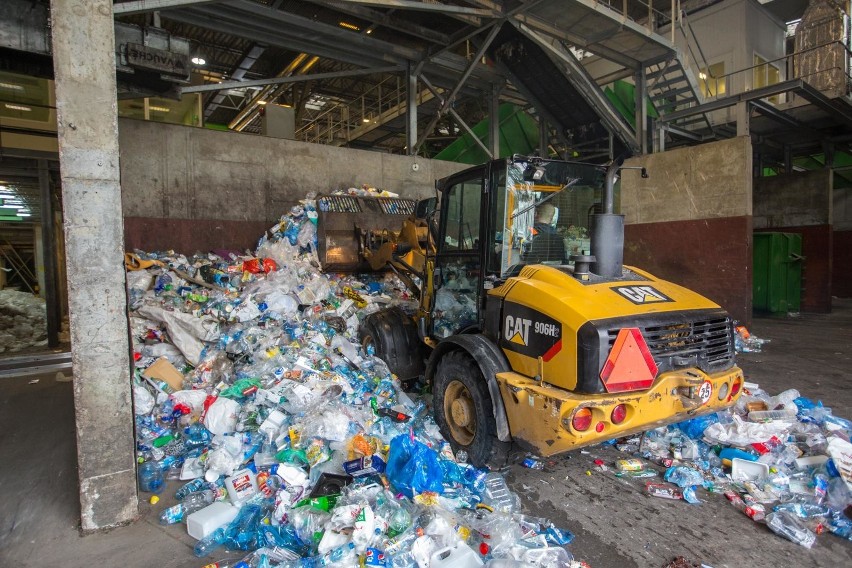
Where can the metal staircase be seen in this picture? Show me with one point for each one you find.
(672, 87)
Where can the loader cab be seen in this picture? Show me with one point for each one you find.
(488, 224)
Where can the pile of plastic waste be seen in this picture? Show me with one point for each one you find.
(783, 460)
(284, 439)
(22, 321)
(747, 342)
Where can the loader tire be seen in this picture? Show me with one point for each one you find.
(464, 412)
(393, 338)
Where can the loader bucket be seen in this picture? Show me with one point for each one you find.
(341, 221)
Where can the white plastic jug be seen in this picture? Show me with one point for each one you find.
(459, 556)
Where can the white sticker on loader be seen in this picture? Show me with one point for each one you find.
(705, 391)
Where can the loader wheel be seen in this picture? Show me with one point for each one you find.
(394, 340)
(464, 413)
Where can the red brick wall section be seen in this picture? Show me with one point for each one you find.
(841, 268)
(189, 236)
(710, 256)
(817, 244)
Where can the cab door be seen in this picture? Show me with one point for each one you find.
(458, 265)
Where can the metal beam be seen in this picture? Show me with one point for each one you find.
(284, 80)
(410, 110)
(386, 20)
(770, 111)
(141, 6)
(762, 93)
(454, 115)
(424, 7)
(473, 135)
(447, 101)
(494, 124)
(48, 241)
(238, 73)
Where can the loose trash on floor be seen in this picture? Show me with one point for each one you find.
(290, 442)
(782, 460)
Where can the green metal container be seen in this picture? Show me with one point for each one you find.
(777, 282)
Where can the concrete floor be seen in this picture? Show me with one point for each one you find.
(615, 524)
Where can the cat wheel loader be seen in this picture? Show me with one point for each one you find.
(552, 351)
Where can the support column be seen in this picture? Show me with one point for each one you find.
(411, 110)
(494, 122)
(743, 112)
(47, 250)
(543, 135)
(641, 110)
(97, 300)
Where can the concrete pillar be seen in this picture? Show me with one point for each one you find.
(97, 300)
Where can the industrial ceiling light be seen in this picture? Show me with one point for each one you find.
(198, 60)
(18, 107)
(24, 214)
(11, 87)
(159, 109)
(262, 102)
(349, 26)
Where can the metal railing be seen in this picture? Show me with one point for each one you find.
(792, 68)
(339, 119)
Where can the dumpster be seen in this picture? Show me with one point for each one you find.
(777, 283)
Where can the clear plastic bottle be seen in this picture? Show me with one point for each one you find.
(191, 487)
(193, 502)
(791, 527)
(497, 494)
(762, 415)
(785, 399)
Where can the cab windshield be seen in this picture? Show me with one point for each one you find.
(542, 213)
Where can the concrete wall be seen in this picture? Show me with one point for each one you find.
(690, 220)
(801, 202)
(193, 189)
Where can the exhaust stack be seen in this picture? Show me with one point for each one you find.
(608, 231)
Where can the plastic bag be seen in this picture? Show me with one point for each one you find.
(413, 467)
(221, 417)
(741, 433)
(695, 427)
(186, 330)
(143, 401)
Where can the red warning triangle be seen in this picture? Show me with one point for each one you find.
(630, 365)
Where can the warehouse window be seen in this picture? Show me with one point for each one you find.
(712, 81)
(764, 75)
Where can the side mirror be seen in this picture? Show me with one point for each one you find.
(644, 173)
(425, 207)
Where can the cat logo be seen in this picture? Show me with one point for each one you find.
(530, 332)
(642, 294)
(517, 330)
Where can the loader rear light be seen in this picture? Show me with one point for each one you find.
(582, 419)
(619, 413)
(599, 427)
(735, 388)
(723, 391)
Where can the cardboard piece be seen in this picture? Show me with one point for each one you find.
(163, 370)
